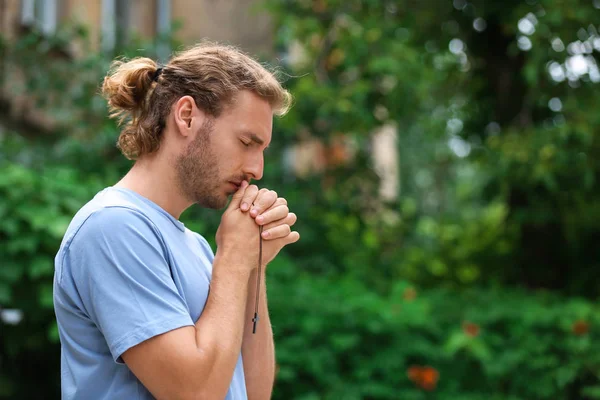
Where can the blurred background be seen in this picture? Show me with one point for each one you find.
(442, 156)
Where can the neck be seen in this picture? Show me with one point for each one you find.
(154, 178)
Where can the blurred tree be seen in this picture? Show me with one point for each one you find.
(494, 110)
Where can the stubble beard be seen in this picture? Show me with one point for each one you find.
(198, 172)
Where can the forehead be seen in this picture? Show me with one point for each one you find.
(250, 114)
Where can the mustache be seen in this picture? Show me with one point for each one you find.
(240, 179)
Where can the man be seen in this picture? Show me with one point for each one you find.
(144, 308)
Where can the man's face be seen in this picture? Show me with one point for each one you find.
(226, 151)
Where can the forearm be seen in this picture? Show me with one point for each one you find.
(258, 350)
(220, 329)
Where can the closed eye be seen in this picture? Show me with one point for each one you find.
(246, 144)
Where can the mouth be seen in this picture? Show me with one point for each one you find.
(236, 185)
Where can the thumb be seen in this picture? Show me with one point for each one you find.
(236, 199)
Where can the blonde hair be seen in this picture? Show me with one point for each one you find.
(210, 73)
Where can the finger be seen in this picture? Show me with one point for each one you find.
(293, 237)
(277, 232)
(249, 197)
(279, 202)
(265, 199)
(237, 196)
(290, 220)
(273, 214)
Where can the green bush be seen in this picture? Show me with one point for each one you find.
(521, 208)
(416, 298)
(36, 208)
(338, 339)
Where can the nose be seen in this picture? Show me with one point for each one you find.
(254, 167)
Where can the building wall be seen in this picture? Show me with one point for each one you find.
(231, 21)
(228, 21)
(235, 22)
(9, 9)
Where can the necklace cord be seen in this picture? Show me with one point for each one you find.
(258, 276)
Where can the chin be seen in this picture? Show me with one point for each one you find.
(213, 202)
(223, 204)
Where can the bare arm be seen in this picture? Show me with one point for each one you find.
(258, 350)
(197, 362)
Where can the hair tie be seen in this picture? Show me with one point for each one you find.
(157, 74)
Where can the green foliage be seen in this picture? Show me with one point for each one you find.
(338, 339)
(550, 179)
(485, 269)
(520, 205)
(35, 211)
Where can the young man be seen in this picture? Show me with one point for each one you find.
(144, 308)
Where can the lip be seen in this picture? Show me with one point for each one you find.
(235, 185)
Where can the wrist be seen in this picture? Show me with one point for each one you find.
(233, 263)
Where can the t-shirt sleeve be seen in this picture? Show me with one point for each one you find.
(119, 264)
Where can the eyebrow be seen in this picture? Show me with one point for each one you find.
(256, 139)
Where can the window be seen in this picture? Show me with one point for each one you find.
(28, 12)
(163, 28)
(40, 14)
(116, 18)
(47, 15)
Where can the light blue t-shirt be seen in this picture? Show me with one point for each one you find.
(126, 271)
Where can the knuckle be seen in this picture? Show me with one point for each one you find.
(282, 201)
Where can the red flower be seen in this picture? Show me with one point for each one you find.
(471, 329)
(581, 327)
(424, 377)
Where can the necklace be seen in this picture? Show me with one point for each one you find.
(260, 241)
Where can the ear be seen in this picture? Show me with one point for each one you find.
(188, 117)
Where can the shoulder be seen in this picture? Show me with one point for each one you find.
(109, 228)
(118, 225)
(108, 209)
(115, 218)
(111, 237)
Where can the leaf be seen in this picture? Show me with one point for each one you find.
(40, 267)
(456, 342)
(5, 293)
(53, 335)
(592, 392)
(46, 295)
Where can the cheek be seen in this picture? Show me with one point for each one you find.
(227, 163)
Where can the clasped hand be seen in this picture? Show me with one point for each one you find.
(269, 211)
(237, 236)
